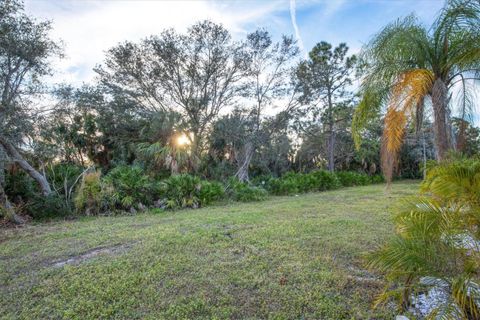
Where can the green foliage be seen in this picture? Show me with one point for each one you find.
(23, 192)
(51, 206)
(210, 192)
(88, 198)
(187, 191)
(62, 176)
(129, 186)
(351, 178)
(241, 191)
(291, 183)
(437, 241)
(318, 180)
(19, 187)
(377, 178)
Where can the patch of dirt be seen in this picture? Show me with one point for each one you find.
(74, 260)
(362, 275)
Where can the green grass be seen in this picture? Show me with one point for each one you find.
(284, 258)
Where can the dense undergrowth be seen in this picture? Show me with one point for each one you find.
(131, 189)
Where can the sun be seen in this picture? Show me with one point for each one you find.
(183, 140)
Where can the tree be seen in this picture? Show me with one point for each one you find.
(408, 64)
(70, 131)
(468, 141)
(324, 79)
(195, 74)
(25, 50)
(270, 69)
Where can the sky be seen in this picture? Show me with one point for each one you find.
(89, 28)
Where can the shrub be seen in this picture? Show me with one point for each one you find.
(129, 186)
(283, 186)
(19, 187)
(437, 245)
(325, 180)
(262, 180)
(377, 178)
(23, 192)
(51, 206)
(292, 183)
(351, 178)
(210, 192)
(240, 191)
(187, 191)
(88, 198)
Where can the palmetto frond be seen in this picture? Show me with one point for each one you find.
(457, 181)
(166, 155)
(437, 244)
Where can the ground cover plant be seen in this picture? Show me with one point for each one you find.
(436, 249)
(283, 258)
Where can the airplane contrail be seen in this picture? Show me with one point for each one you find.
(293, 8)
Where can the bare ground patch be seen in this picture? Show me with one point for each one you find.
(90, 254)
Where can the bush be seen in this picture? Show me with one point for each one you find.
(210, 192)
(23, 192)
(51, 206)
(186, 191)
(292, 183)
(240, 191)
(325, 180)
(129, 186)
(377, 178)
(283, 186)
(437, 243)
(351, 178)
(89, 196)
(262, 180)
(19, 187)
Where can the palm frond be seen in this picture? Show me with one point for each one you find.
(366, 110)
(407, 95)
(400, 46)
(456, 16)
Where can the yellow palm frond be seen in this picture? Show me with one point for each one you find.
(395, 122)
(406, 94)
(410, 88)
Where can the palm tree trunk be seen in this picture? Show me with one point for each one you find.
(442, 135)
(17, 157)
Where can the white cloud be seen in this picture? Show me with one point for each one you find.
(89, 28)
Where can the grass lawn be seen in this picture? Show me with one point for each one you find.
(284, 258)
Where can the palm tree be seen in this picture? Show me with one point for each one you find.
(175, 154)
(437, 245)
(408, 66)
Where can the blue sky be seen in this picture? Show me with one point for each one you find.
(88, 28)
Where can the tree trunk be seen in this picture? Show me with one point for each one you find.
(442, 135)
(331, 138)
(3, 162)
(17, 157)
(242, 173)
(7, 209)
(331, 150)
